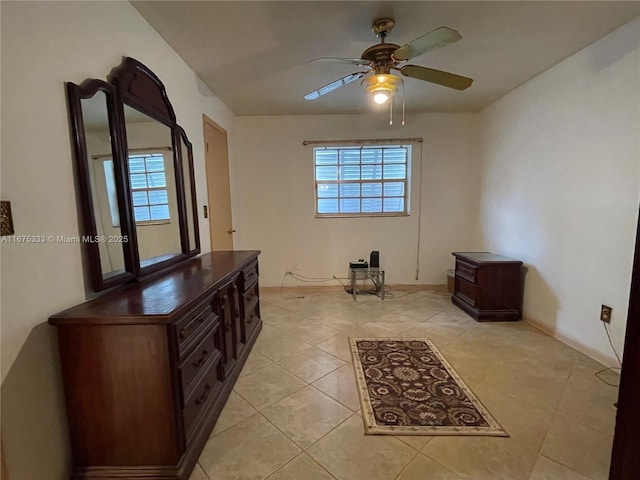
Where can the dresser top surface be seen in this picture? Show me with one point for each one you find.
(161, 297)
(484, 257)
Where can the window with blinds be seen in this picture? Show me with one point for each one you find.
(149, 188)
(361, 180)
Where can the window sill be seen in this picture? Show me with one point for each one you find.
(360, 215)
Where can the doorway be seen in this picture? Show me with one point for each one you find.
(218, 189)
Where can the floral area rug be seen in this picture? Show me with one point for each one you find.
(407, 387)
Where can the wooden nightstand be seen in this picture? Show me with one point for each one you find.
(487, 286)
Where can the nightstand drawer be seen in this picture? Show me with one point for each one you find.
(466, 271)
(466, 291)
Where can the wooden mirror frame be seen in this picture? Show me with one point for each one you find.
(191, 203)
(130, 83)
(75, 95)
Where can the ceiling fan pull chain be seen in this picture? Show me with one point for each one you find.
(403, 104)
(391, 111)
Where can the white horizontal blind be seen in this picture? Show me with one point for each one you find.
(149, 188)
(361, 180)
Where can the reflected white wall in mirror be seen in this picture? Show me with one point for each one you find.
(98, 143)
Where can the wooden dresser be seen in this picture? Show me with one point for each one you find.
(147, 368)
(487, 286)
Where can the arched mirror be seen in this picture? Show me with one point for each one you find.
(135, 173)
(154, 187)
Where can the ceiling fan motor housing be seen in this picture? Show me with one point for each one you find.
(380, 54)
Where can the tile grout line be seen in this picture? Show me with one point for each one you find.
(302, 449)
(202, 468)
(564, 465)
(407, 465)
(342, 422)
(285, 436)
(233, 425)
(555, 410)
(332, 398)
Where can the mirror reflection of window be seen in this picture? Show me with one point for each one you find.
(149, 188)
(152, 183)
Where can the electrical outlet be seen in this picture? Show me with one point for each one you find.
(605, 313)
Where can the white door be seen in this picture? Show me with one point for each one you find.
(218, 190)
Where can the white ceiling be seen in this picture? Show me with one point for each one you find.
(254, 55)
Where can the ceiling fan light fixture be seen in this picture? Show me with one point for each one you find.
(380, 97)
(382, 86)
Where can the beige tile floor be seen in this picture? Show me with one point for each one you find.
(294, 411)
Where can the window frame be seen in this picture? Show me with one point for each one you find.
(148, 189)
(364, 146)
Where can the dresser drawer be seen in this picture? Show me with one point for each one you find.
(203, 393)
(251, 295)
(251, 316)
(250, 275)
(191, 325)
(466, 271)
(466, 291)
(193, 365)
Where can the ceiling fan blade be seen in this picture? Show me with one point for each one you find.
(350, 61)
(437, 38)
(334, 85)
(445, 79)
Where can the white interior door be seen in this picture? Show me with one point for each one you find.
(218, 189)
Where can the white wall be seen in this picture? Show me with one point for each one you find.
(561, 160)
(45, 44)
(274, 210)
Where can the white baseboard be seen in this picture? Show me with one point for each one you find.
(606, 360)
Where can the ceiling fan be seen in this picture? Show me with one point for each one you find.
(380, 59)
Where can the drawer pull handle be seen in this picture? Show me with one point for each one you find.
(204, 396)
(202, 359)
(188, 330)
